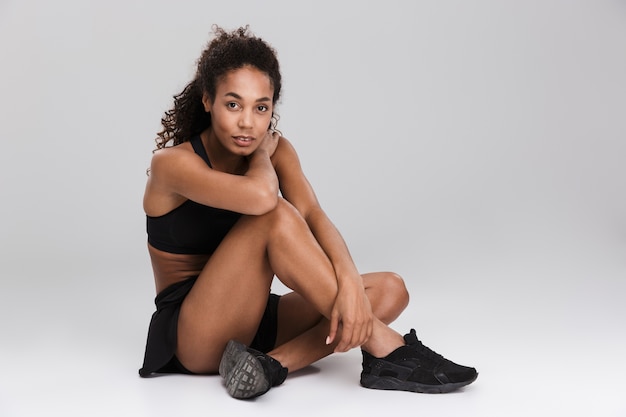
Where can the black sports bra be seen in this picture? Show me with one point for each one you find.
(191, 228)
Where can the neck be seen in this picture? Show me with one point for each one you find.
(221, 159)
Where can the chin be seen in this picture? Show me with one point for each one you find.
(244, 151)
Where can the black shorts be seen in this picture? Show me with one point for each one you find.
(160, 355)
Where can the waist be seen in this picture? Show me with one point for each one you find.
(170, 268)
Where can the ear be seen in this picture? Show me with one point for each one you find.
(206, 101)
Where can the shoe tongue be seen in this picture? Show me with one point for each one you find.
(411, 338)
(276, 372)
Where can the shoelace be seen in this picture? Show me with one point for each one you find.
(426, 351)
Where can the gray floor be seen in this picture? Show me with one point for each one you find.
(540, 349)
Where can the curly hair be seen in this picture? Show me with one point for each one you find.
(225, 52)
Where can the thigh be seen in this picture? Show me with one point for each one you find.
(228, 299)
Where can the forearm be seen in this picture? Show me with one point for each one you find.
(261, 171)
(352, 311)
(333, 245)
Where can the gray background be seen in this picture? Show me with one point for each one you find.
(475, 147)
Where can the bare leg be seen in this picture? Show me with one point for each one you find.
(302, 330)
(229, 296)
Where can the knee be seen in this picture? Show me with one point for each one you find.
(395, 287)
(395, 297)
(285, 216)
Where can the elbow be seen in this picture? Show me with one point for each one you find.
(265, 201)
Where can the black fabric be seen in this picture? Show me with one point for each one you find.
(160, 351)
(161, 343)
(274, 370)
(265, 338)
(191, 228)
(418, 363)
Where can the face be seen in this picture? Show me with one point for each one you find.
(242, 109)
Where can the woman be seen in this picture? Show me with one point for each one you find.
(219, 231)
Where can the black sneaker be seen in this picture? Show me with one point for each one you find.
(249, 373)
(416, 368)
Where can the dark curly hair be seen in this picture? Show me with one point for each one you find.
(225, 52)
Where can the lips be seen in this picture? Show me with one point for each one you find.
(243, 141)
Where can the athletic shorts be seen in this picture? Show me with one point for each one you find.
(160, 355)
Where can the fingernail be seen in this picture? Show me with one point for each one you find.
(328, 340)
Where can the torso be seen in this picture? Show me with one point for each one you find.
(181, 241)
(170, 268)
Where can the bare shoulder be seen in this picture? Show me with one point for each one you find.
(168, 159)
(160, 195)
(294, 185)
(285, 154)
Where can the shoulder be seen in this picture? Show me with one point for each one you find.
(172, 158)
(173, 151)
(285, 153)
(294, 185)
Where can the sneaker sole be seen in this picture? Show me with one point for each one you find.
(230, 356)
(390, 383)
(243, 374)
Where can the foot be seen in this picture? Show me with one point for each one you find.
(249, 373)
(416, 368)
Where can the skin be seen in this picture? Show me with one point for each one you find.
(332, 308)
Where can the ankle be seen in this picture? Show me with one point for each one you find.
(383, 342)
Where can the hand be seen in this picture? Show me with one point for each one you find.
(353, 310)
(269, 142)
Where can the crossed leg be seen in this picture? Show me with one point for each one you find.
(229, 297)
(302, 330)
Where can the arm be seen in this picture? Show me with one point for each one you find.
(352, 308)
(177, 174)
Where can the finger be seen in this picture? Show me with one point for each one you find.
(347, 334)
(359, 334)
(367, 332)
(334, 324)
(366, 329)
(362, 334)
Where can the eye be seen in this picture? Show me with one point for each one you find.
(232, 105)
(263, 108)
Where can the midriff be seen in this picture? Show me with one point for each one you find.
(170, 268)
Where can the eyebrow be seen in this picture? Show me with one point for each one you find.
(238, 97)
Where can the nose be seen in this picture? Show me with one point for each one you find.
(245, 119)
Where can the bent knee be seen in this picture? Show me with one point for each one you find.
(286, 215)
(396, 288)
(284, 207)
(393, 297)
